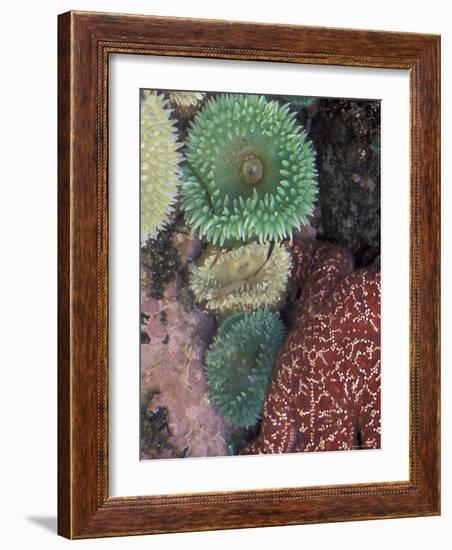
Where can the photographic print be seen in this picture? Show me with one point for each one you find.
(260, 274)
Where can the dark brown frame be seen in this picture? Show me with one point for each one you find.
(84, 44)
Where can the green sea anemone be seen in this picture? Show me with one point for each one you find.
(185, 99)
(160, 159)
(300, 101)
(239, 364)
(249, 277)
(249, 171)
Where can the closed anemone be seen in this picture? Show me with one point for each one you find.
(160, 164)
(249, 172)
(252, 276)
(239, 364)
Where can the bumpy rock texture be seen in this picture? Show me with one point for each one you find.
(346, 138)
(178, 419)
(325, 391)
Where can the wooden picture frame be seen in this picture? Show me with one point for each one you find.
(85, 42)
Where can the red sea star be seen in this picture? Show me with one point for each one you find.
(325, 391)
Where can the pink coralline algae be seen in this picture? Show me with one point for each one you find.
(172, 370)
(325, 390)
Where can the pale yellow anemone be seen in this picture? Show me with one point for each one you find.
(185, 99)
(249, 277)
(160, 160)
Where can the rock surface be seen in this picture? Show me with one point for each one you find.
(346, 137)
(173, 382)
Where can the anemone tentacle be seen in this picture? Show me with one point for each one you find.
(239, 364)
(160, 164)
(249, 171)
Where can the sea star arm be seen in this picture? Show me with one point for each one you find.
(278, 431)
(325, 394)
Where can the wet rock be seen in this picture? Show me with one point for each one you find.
(159, 262)
(155, 431)
(346, 136)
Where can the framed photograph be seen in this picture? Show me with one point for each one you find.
(248, 275)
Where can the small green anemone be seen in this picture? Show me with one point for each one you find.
(249, 277)
(239, 364)
(249, 171)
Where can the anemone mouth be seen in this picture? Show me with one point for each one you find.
(252, 170)
(249, 171)
(239, 364)
(249, 277)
